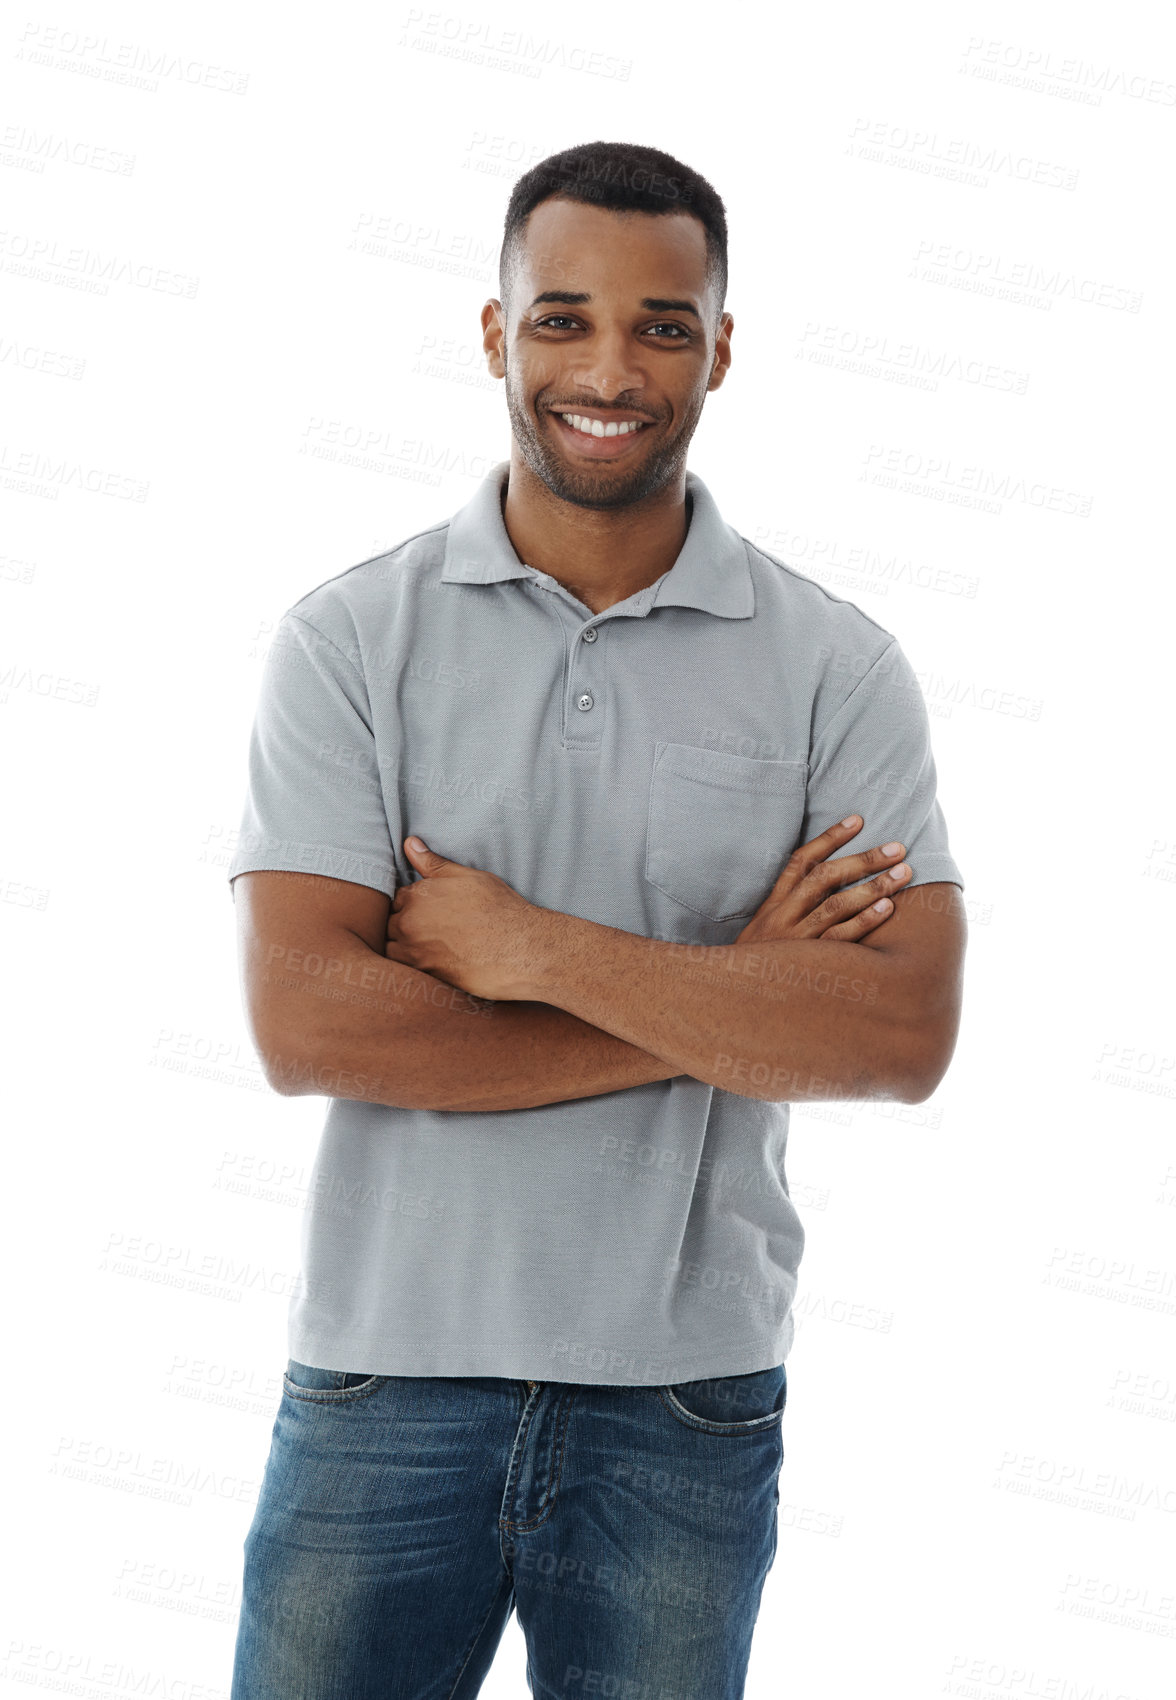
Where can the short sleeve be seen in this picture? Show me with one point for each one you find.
(314, 803)
(874, 759)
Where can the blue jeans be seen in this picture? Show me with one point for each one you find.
(402, 1518)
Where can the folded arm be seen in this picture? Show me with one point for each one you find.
(781, 1018)
(807, 1019)
(331, 1015)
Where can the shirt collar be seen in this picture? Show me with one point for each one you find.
(711, 571)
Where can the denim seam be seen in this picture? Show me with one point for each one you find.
(548, 1501)
(333, 1395)
(473, 1647)
(753, 1425)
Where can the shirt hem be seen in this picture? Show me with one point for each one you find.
(649, 1367)
(359, 873)
(942, 871)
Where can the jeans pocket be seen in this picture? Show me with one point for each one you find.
(328, 1386)
(730, 1404)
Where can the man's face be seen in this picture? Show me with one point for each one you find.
(605, 355)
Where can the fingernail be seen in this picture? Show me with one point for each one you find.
(891, 849)
(852, 820)
(900, 872)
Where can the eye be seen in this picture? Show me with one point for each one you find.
(664, 325)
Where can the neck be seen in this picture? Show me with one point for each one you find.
(600, 555)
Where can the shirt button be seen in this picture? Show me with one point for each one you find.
(584, 702)
(590, 635)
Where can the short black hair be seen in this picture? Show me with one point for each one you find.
(619, 177)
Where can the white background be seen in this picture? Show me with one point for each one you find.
(979, 1488)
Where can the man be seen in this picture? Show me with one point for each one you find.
(537, 1356)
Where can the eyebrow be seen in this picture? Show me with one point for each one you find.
(651, 303)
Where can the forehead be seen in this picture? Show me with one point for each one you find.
(573, 244)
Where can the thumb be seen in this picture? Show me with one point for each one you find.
(424, 860)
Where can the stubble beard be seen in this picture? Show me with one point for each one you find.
(604, 485)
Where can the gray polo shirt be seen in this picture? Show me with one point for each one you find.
(650, 768)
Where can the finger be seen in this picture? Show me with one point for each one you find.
(859, 925)
(815, 854)
(816, 849)
(844, 906)
(833, 871)
(812, 854)
(798, 890)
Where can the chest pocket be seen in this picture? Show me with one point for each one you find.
(721, 827)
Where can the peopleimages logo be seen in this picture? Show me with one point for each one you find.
(960, 159)
(1031, 281)
(1037, 68)
(651, 182)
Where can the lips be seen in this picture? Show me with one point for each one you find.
(597, 448)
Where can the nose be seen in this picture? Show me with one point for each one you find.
(607, 366)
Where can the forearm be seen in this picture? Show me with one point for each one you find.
(391, 1034)
(521, 1055)
(774, 1020)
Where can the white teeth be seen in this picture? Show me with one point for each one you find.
(595, 427)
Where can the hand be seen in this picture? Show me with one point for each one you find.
(463, 925)
(799, 905)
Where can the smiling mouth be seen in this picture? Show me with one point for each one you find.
(603, 442)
